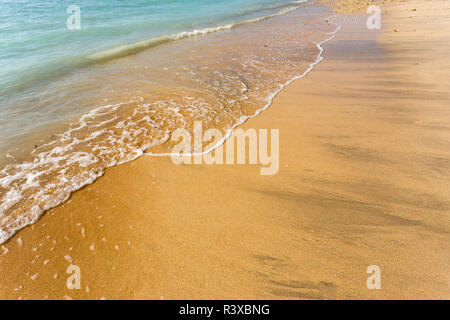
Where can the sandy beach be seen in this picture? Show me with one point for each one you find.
(364, 179)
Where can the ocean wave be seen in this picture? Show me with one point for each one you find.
(136, 47)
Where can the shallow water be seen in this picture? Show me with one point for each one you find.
(37, 45)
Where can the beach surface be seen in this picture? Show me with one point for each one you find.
(364, 179)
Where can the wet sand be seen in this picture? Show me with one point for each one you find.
(363, 180)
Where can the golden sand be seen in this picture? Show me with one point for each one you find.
(363, 180)
(354, 6)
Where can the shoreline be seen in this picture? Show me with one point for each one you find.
(144, 230)
(18, 211)
(267, 106)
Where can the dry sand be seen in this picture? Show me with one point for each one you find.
(364, 180)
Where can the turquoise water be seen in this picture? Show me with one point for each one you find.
(36, 44)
